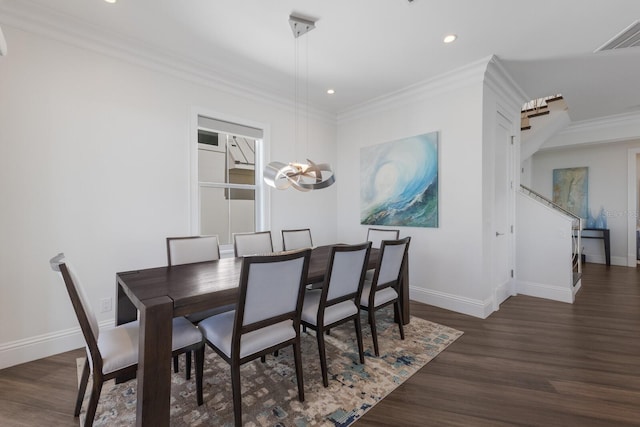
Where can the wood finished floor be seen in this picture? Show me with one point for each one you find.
(532, 363)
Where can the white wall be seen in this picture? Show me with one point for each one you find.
(544, 250)
(608, 188)
(94, 162)
(446, 263)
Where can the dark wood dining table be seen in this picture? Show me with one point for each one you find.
(162, 293)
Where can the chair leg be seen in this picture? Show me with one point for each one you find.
(175, 364)
(356, 321)
(263, 358)
(199, 354)
(237, 393)
(298, 361)
(275, 353)
(323, 357)
(93, 400)
(86, 370)
(374, 333)
(398, 313)
(187, 357)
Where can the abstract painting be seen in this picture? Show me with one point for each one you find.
(399, 182)
(570, 190)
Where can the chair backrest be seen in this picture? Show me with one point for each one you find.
(192, 249)
(346, 270)
(271, 290)
(296, 239)
(85, 315)
(389, 269)
(258, 243)
(377, 235)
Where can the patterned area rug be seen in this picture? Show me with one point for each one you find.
(269, 392)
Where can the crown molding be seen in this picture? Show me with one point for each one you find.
(500, 81)
(467, 75)
(50, 24)
(616, 128)
(625, 119)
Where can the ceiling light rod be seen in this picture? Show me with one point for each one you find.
(300, 176)
(300, 26)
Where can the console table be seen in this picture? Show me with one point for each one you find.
(603, 233)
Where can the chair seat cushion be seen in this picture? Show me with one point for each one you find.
(119, 346)
(201, 315)
(332, 313)
(185, 334)
(218, 330)
(382, 295)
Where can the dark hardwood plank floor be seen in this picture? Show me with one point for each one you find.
(532, 363)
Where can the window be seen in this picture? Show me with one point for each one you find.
(229, 185)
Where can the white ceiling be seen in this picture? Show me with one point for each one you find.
(368, 48)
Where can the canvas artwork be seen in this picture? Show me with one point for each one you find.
(399, 182)
(570, 190)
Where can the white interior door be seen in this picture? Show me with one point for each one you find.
(503, 212)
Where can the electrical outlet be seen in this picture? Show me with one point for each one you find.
(105, 305)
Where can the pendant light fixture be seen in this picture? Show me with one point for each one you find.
(301, 176)
(3, 44)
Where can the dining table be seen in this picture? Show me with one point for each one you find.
(154, 296)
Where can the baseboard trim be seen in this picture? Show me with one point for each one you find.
(471, 307)
(45, 345)
(503, 292)
(600, 259)
(541, 290)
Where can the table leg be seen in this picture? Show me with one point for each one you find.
(125, 312)
(404, 295)
(154, 367)
(607, 246)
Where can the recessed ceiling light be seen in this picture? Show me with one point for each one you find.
(111, 1)
(331, 91)
(450, 38)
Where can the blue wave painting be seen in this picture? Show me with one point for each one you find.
(399, 182)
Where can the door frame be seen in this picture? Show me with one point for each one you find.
(632, 206)
(502, 291)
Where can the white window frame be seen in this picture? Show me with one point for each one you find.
(262, 199)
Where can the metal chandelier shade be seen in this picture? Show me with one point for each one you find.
(3, 44)
(301, 176)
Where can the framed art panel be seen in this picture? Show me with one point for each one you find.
(399, 182)
(570, 190)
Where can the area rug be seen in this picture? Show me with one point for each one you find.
(269, 392)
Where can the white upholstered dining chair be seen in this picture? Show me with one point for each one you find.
(338, 301)
(189, 250)
(266, 319)
(257, 243)
(114, 352)
(296, 239)
(383, 289)
(376, 236)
